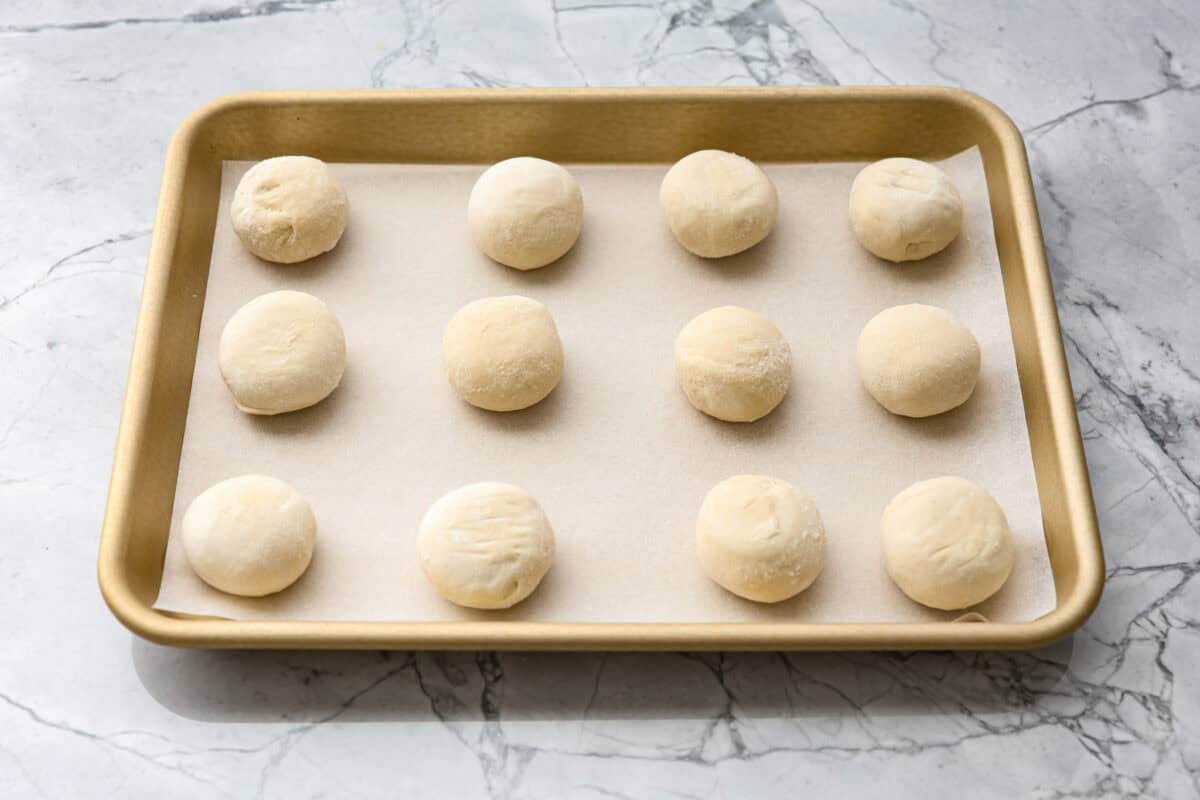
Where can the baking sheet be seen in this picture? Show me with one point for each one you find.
(615, 455)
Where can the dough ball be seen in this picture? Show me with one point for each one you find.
(760, 538)
(718, 203)
(503, 353)
(252, 535)
(280, 352)
(904, 210)
(733, 364)
(946, 543)
(289, 209)
(486, 545)
(525, 212)
(918, 360)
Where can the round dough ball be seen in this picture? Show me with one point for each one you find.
(917, 360)
(904, 210)
(718, 203)
(503, 353)
(946, 543)
(760, 538)
(281, 352)
(525, 212)
(733, 364)
(289, 209)
(486, 545)
(251, 535)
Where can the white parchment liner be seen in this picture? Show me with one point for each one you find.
(615, 455)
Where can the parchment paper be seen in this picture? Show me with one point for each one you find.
(615, 455)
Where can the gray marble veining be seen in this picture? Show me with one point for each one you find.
(1108, 95)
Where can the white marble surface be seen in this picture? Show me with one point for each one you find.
(1107, 94)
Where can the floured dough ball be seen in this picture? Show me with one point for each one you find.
(281, 352)
(946, 543)
(904, 210)
(252, 535)
(733, 364)
(289, 209)
(503, 353)
(760, 538)
(918, 360)
(525, 212)
(718, 203)
(486, 545)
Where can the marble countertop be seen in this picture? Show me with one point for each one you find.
(1108, 95)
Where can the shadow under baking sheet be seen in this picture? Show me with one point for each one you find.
(464, 688)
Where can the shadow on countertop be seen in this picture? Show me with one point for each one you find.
(310, 687)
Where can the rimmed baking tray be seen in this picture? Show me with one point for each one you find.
(578, 125)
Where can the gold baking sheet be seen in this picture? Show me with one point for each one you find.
(588, 126)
